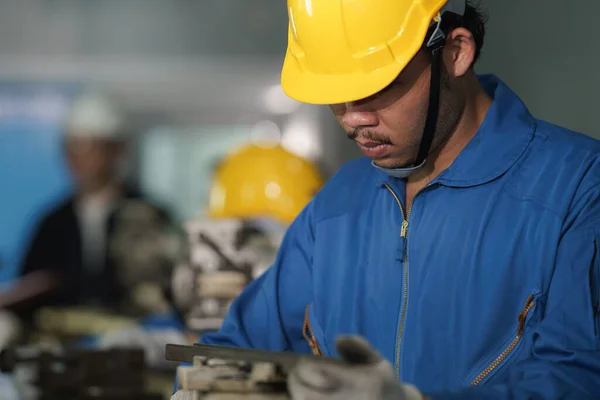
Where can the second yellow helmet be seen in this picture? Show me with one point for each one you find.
(256, 182)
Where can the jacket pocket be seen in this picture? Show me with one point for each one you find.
(502, 356)
(313, 333)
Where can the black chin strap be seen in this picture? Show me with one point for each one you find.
(436, 43)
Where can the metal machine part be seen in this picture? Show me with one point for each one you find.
(231, 373)
(10, 328)
(79, 321)
(144, 248)
(285, 360)
(225, 255)
(79, 374)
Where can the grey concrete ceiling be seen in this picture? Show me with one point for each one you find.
(143, 27)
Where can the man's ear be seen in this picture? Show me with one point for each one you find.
(459, 52)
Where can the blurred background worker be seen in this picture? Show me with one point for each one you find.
(97, 271)
(67, 261)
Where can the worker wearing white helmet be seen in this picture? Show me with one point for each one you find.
(95, 142)
(67, 261)
(93, 115)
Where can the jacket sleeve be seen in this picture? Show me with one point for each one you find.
(565, 361)
(37, 282)
(269, 313)
(39, 252)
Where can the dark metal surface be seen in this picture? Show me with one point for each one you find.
(286, 360)
(83, 374)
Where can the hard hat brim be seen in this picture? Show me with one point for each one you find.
(307, 87)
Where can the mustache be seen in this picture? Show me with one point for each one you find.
(368, 135)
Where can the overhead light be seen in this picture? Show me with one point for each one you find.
(300, 136)
(265, 134)
(277, 102)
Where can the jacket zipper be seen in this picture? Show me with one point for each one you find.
(404, 235)
(520, 328)
(308, 334)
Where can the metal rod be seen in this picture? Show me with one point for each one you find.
(286, 360)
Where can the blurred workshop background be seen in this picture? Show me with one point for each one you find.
(149, 164)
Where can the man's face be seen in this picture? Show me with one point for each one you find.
(93, 162)
(388, 126)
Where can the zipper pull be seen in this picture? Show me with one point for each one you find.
(401, 250)
(404, 229)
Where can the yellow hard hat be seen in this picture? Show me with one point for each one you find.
(346, 51)
(256, 182)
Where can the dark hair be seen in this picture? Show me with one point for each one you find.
(473, 20)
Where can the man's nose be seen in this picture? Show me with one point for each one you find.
(356, 115)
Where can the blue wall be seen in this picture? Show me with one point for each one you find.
(33, 175)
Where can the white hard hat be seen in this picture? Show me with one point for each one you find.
(94, 115)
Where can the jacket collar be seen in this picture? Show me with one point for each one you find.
(502, 138)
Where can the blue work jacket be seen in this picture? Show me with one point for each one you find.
(488, 288)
